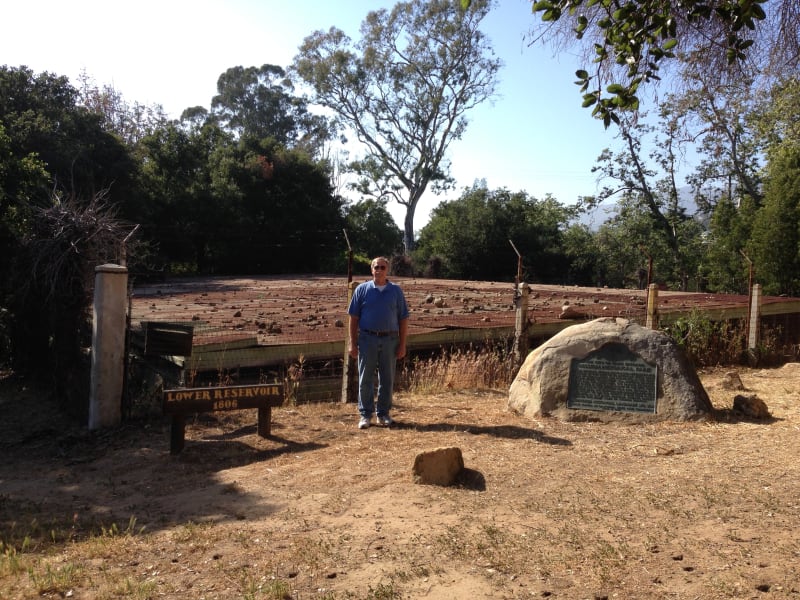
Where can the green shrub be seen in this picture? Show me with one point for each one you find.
(709, 343)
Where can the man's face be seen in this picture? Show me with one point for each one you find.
(380, 269)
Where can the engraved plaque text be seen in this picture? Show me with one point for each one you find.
(612, 378)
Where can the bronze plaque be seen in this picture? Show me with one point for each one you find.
(613, 378)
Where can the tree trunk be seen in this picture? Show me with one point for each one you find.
(408, 227)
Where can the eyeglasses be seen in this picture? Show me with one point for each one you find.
(379, 267)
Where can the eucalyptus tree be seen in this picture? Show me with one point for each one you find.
(405, 89)
(259, 102)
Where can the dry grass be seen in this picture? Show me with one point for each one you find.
(545, 508)
(461, 369)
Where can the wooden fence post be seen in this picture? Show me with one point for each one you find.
(521, 324)
(652, 306)
(349, 366)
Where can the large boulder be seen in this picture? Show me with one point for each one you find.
(542, 385)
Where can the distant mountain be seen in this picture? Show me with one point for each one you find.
(596, 217)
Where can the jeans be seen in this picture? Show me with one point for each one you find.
(381, 353)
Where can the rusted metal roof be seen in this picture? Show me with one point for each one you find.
(229, 314)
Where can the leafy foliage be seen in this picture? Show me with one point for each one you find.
(724, 268)
(471, 235)
(630, 43)
(58, 166)
(258, 102)
(130, 122)
(650, 213)
(709, 343)
(221, 205)
(775, 241)
(286, 218)
(720, 122)
(243, 188)
(372, 230)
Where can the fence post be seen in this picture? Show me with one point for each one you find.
(652, 306)
(753, 317)
(349, 367)
(108, 345)
(521, 324)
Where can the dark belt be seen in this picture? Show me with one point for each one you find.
(380, 333)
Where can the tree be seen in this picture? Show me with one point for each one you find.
(630, 43)
(222, 205)
(43, 121)
(777, 118)
(372, 230)
(470, 236)
(775, 242)
(257, 102)
(287, 219)
(405, 90)
(56, 160)
(724, 266)
(647, 183)
(582, 254)
(624, 245)
(720, 119)
(183, 207)
(130, 122)
(627, 243)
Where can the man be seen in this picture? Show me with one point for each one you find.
(378, 330)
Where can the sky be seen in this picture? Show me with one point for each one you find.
(533, 137)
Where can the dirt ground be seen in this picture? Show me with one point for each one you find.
(545, 509)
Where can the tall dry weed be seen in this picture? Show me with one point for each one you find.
(486, 367)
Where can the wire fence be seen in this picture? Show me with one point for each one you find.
(293, 330)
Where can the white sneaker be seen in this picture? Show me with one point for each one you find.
(385, 421)
(363, 423)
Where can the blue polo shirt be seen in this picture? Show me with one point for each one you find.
(378, 310)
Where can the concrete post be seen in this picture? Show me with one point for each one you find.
(753, 317)
(652, 306)
(108, 345)
(521, 324)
